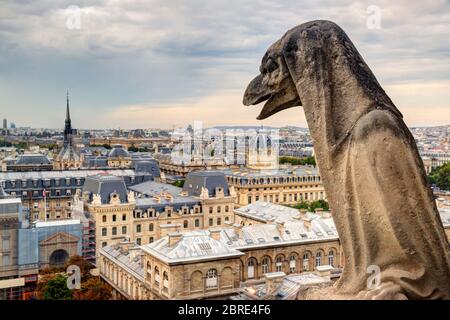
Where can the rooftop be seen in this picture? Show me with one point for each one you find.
(267, 212)
(297, 171)
(211, 180)
(54, 174)
(153, 188)
(191, 246)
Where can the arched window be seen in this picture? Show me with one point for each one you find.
(157, 276)
(251, 269)
(306, 261)
(279, 264)
(211, 278)
(292, 264)
(318, 259)
(265, 265)
(165, 280)
(331, 258)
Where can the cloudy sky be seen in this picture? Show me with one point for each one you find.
(136, 63)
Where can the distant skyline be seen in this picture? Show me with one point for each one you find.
(158, 64)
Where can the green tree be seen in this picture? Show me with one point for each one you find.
(179, 183)
(440, 176)
(298, 161)
(54, 288)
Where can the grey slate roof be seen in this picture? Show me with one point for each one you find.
(32, 159)
(105, 185)
(209, 179)
(118, 151)
(192, 246)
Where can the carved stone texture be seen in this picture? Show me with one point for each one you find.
(372, 173)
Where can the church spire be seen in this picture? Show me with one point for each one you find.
(68, 123)
(67, 108)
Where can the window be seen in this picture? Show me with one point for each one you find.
(279, 264)
(197, 223)
(227, 219)
(211, 278)
(150, 240)
(5, 244)
(211, 222)
(306, 262)
(219, 221)
(185, 224)
(210, 210)
(157, 276)
(124, 217)
(219, 209)
(124, 230)
(227, 208)
(5, 259)
(265, 265)
(251, 269)
(138, 228)
(104, 232)
(114, 231)
(150, 227)
(292, 267)
(249, 199)
(331, 258)
(318, 259)
(104, 219)
(138, 241)
(104, 244)
(165, 281)
(114, 218)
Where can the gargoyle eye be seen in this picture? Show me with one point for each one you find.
(271, 65)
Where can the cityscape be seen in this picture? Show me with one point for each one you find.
(143, 155)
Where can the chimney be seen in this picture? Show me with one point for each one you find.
(303, 213)
(324, 272)
(307, 223)
(215, 234)
(166, 229)
(174, 238)
(280, 227)
(319, 211)
(273, 281)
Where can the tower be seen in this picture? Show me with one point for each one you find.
(67, 158)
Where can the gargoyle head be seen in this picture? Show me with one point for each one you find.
(274, 84)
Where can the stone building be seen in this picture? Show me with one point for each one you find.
(30, 162)
(146, 212)
(118, 157)
(281, 186)
(59, 188)
(209, 263)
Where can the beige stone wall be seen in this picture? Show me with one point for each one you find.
(278, 258)
(286, 193)
(190, 281)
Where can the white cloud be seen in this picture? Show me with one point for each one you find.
(160, 54)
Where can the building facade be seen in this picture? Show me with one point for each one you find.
(282, 186)
(214, 263)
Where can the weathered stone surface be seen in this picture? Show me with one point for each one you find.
(372, 173)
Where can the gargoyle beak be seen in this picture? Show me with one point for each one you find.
(257, 91)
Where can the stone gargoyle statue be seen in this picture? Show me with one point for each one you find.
(373, 176)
